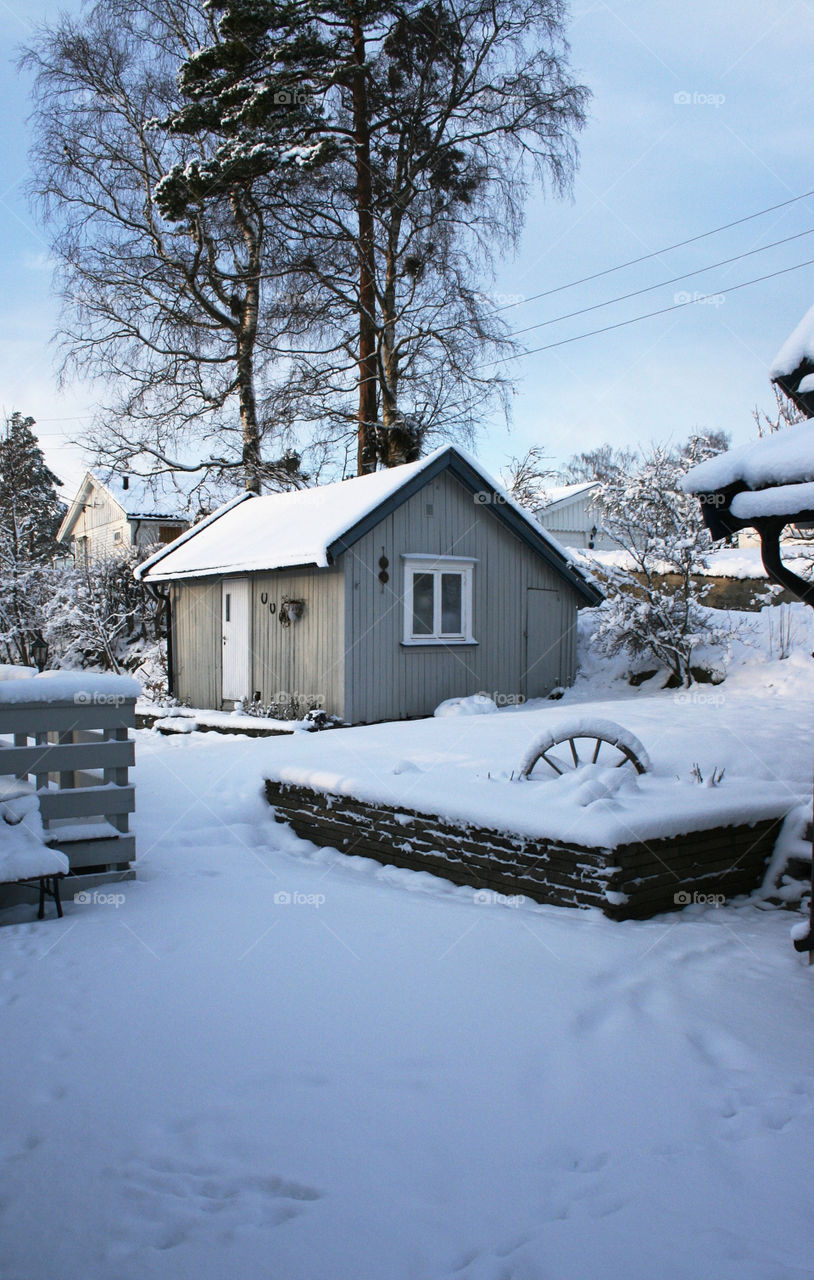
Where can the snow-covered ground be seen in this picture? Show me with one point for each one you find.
(756, 727)
(728, 562)
(266, 1060)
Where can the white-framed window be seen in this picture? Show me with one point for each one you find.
(438, 599)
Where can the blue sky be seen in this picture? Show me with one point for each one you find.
(701, 114)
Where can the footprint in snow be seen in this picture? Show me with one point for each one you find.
(173, 1202)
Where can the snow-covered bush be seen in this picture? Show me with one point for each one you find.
(655, 599)
(281, 706)
(150, 669)
(478, 704)
(99, 615)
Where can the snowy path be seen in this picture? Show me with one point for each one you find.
(385, 1080)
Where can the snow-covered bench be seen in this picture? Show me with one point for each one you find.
(25, 858)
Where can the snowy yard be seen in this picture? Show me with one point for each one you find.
(380, 1078)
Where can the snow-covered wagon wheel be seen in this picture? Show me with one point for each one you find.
(582, 742)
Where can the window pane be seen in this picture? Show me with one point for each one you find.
(422, 604)
(451, 601)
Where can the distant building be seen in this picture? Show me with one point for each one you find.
(570, 513)
(119, 511)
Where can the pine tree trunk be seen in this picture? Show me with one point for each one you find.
(367, 417)
(250, 430)
(390, 370)
(247, 314)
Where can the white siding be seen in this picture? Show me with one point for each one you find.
(99, 523)
(571, 523)
(103, 528)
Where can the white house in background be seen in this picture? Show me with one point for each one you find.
(570, 514)
(115, 512)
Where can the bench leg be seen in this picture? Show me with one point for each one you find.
(41, 911)
(57, 898)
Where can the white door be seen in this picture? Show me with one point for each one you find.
(235, 628)
(544, 640)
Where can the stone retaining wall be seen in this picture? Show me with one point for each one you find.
(632, 881)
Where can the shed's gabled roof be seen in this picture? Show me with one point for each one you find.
(314, 526)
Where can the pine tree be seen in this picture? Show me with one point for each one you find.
(30, 509)
(416, 124)
(30, 514)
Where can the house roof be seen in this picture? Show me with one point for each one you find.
(799, 346)
(785, 457)
(314, 526)
(164, 496)
(560, 495)
(793, 366)
(771, 477)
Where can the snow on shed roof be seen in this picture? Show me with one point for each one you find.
(783, 458)
(282, 530)
(799, 346)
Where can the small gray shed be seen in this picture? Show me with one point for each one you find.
(375, 598)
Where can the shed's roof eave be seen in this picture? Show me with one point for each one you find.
(142, 570)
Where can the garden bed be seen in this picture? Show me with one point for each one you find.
(636, 879)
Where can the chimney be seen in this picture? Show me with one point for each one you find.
(125, 482)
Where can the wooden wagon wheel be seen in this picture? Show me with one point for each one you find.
(602, 743)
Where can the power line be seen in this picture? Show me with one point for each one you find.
(623, 297)
(656, 253)
(621, 324)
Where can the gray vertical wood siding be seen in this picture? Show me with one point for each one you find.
(346, 650)
(197, 641)
(306, 659)
(387, 680)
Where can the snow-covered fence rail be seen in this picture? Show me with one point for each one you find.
(64, 738)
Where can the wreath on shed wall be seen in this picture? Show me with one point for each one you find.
(291, 610)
